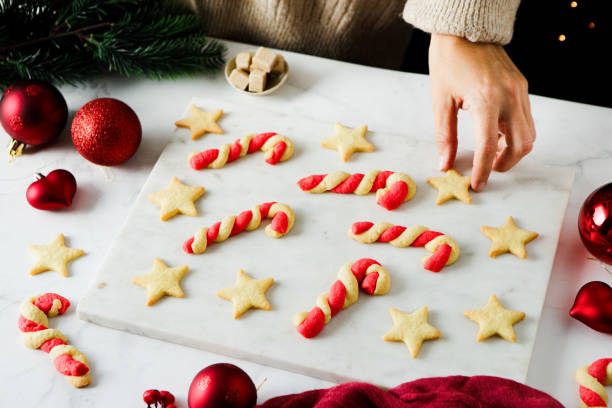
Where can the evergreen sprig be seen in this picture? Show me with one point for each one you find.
(70, 41)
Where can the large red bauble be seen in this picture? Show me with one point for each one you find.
(595, 223)
(222, 386)
(54, 191)
(106, 131)
(33, 112)
(593, 306)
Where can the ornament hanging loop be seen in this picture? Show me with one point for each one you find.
(15, 149)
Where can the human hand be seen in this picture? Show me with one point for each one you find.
(481, 78)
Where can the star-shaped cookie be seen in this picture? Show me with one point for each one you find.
(162, 280)
(494, 319)
(452, 185)
(54, 256)
(508, 238)
(178, 198)
(200, 122)
(247, 293)
(347, 141)
(412, 329)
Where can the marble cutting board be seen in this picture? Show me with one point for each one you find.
(305, 262)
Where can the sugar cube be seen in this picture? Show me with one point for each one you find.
(243, 61)
(239, 78)
(264, 59)
(257, 80)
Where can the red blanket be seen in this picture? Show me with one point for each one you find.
(439, 392)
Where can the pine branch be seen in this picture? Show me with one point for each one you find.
(65, 41)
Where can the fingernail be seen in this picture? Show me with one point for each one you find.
(481, 186)
(441, 163)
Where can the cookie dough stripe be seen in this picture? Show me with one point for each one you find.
(365, 273)
(282, 217)
(445, 250)
(392, 189)
(592, 380)
(277, 148)
(34, 323)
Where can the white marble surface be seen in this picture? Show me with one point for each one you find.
(124, 364)
(305, 262)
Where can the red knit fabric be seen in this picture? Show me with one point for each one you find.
(439, 392)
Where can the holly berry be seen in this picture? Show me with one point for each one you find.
(166, 398)
(151, 397)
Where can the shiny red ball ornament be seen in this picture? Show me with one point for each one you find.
(595, 223)
(106, 131)
(593, 306)
(53, 191)
(32, 113)
(222, 386)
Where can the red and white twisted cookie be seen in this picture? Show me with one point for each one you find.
(282, 222)
(392, 189)
(365, 273)
(592, 380)
(445, 249)
(276, 147)
(34, 324)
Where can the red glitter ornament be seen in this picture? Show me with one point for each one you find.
(33, 113)
(222, 386)
(54, 191)
(106, 131)
(595, 223)
(593, 306)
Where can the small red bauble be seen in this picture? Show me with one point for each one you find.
(166, 398)
(593, 306)
(595, 223)
(54, 191)
(222, 386)
(106, 131)
(150, 397)
(32, 112)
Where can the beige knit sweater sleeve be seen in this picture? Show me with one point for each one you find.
(477, 20)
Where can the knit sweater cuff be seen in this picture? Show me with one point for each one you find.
(476, 20)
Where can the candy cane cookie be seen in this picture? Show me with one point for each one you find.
(592, 379)
(282, 222)
(34, 324)
(277, 148)
(392, 188)
(445, 249)
(365, 273)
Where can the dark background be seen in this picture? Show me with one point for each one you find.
(576, 69)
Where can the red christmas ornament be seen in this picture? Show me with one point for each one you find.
(222, 386)
(106, 131)
(150, 397)
(166, 398)
(54, 191)
(32, 112)
(593, 306)
(595, 223)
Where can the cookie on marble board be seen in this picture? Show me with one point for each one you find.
(247, 293)
(508, 238)
(347, 141)
(412, 329)
(200, 122)
(451, 185)
(178, 198)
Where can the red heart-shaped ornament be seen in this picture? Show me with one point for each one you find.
(53, 191)
(593, 306)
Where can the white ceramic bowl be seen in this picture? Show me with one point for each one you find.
(273, 82)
